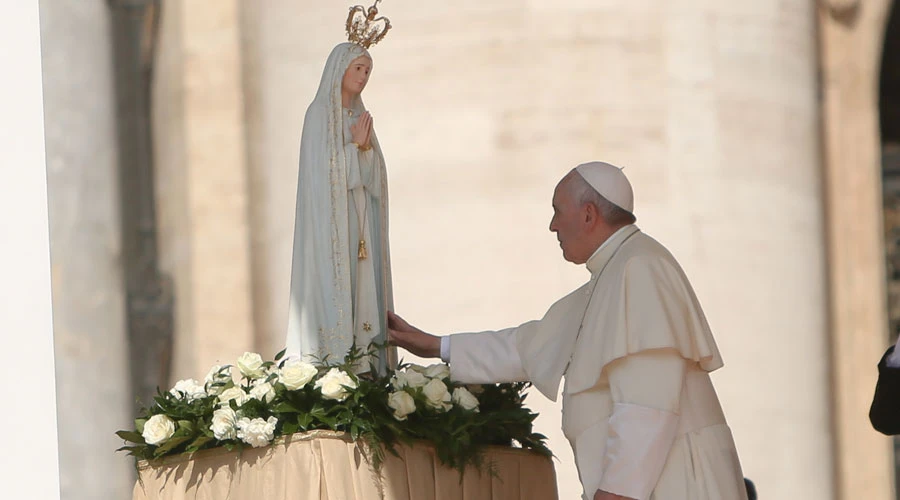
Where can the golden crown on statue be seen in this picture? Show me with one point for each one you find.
(363, 28)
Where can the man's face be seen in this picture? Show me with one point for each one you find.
(570, 222)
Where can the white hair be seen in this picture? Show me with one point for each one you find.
(584, 193)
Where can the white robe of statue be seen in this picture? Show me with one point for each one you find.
(337, 298)
(639, 408)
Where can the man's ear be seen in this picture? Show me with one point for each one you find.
(591, 214)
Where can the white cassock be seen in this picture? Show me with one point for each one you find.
(639, 408)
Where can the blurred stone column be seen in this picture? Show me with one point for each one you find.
(851, 40)
(200, 147)
(148, 292)
(93, 391)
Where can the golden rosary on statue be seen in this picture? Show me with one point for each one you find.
(365, 29)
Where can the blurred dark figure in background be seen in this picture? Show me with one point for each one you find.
(751, 489)
(885, 411)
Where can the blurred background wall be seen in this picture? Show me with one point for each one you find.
(729, 118)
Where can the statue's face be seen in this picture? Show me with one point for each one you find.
(571, 222)
(357, 75)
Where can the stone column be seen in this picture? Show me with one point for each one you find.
(31, 468)
(200, 141)
(850, 39)
(93, 393)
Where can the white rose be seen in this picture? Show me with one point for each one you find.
(475, 389)
(188, 389)
(257, 432)
(235, 393)
(416, 379)
(465, 399)
(402, 403)
(438, 370)
(332, 384)
(223, 424)
(217, 375)
(158, 429)
(250, 365)
(399, 381)
(436, 395)
(263, 392)
(297, 375)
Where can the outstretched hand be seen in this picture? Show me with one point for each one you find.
(402, 334)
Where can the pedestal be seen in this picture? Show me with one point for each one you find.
(326, 465)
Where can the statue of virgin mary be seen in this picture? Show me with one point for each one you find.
(341, 269)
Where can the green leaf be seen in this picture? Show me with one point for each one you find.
(285, 407)
(329, 421)
(290, 428)
(139, 424)
(132, 449)
(184, 428)
(280, 354)
(304, 421)
(132, 437)
(169, 445)
(198, 443)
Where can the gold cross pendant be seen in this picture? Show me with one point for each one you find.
(367, 326)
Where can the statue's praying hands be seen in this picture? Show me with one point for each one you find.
(361, 131)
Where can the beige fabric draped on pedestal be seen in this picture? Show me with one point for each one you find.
(325, 465)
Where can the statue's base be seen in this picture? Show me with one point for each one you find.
(326, 465)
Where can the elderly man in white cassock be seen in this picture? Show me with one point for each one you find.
(639, 408)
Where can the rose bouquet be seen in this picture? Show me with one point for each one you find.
(287, 395)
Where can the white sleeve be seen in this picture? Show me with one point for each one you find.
(445, 349)
(484, 358)
(646, 390)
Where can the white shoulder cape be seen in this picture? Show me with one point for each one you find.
(638, 299)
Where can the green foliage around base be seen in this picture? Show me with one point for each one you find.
(409, 404)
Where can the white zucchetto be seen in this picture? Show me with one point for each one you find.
(610, 182)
